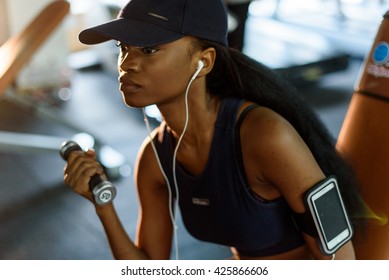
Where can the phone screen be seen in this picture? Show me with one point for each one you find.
(330, 211)
(331, 216)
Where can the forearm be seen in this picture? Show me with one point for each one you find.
(121, 245)
(346, 252)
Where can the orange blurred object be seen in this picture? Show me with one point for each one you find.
(364, 143)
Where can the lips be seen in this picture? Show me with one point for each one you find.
(128, 84)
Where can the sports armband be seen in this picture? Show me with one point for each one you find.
(326, 217)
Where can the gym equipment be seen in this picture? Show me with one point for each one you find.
(15, 53)
(363, 142)
(103, 191)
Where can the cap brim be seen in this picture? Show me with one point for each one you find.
(130, 32)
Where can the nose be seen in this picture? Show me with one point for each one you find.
(127, 61)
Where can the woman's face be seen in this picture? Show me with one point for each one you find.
(155, 75)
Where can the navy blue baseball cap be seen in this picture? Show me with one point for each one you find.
(146, 23)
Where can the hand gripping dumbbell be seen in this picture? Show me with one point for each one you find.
(103, 191)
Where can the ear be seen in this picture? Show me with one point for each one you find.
(208, 57)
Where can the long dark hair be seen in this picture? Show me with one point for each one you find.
(237, 75)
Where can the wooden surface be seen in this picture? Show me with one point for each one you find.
(18, 50)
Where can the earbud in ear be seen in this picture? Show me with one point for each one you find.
(200, 66)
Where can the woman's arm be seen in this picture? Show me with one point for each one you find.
(154, 233)
(279, 162)
(154, 227)
(122, 247)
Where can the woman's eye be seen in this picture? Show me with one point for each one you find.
(144, 50)
(149, 50)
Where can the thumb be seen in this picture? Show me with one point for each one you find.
(91, 153)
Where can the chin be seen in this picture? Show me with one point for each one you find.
(134, 103)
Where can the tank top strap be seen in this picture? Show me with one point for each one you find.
(229, 109)
(238, 147)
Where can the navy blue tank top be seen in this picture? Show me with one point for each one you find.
(218, 206)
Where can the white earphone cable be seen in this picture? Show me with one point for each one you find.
(175, 227)
(172, 216)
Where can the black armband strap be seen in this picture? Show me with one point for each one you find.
(304, 222)
(326, 217)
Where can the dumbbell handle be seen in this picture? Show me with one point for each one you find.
(103, 191)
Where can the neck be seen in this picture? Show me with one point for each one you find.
(202, 115)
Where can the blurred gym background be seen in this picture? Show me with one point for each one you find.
(68, 90)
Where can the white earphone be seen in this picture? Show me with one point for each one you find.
(200, 66)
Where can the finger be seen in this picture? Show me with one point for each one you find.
(74, 159)
(82, 172)
(91, 153)
(78, 161)
(79, 181)
(81, 185)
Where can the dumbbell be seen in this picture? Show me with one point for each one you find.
(103, 191)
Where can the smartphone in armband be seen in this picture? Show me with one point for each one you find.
(325, 204)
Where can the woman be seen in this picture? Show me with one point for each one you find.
(237, 149)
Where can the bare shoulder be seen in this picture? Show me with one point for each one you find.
(147, 171)
(270, 143)
(265, 126)
(275, 153)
